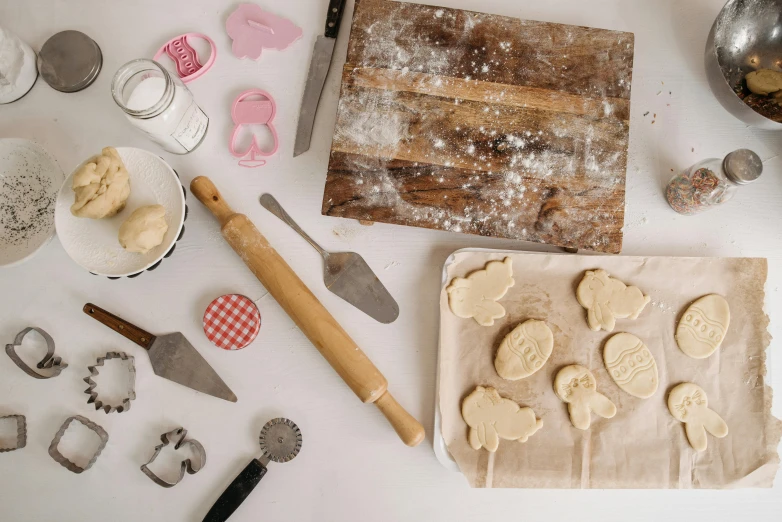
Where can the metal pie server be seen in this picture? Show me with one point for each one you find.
(280, 442)
(172, 356)
(346, 274)
(316, 78)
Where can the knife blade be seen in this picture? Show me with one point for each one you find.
(316, 77)
(172, 356)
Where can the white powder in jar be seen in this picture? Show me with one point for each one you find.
(17, 67)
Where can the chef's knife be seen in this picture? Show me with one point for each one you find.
(172, 356)
(316, 78)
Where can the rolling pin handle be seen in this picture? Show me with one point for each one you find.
(206, 192)
(409, 430)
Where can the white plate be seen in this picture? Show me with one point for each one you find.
(94, 243)
(29, 180)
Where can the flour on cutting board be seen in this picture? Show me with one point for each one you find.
(403, 131)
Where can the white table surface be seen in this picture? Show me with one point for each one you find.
(352, 466)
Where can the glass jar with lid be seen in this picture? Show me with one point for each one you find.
(712, 182)
(157, 102)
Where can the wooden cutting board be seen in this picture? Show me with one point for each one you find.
(483, 124)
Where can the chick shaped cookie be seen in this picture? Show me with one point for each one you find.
(476, 295)
(577, 387)
(607, 299)
(688, 403)
(491, 417)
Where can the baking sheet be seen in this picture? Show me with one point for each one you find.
(643, 446)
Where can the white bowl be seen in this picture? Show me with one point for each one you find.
(25, 228)
(94, 243)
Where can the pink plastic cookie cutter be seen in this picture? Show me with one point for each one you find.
(188, 65)
(253, 112)
(252, 30)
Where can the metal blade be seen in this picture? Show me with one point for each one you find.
(316, 79)
(174, 358)
(349, 276)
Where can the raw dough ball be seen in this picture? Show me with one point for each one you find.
(687, 403)
(764, 81)
(631, 365)
(491, 417)
(607, 299)
(144, 229)
(524, 351)
(577, 387)
(703, 326)
(476, 295)
(102, 186)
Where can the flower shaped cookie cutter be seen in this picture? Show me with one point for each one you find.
(21, 434)
(62, 459)
(192, 466)
(131, 392)
(49, 361)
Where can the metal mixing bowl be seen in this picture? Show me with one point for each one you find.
(746, 36)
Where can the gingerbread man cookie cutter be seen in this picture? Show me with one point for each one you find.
(192, 466)
(688, 403)
(49, 361)
(131, 388)
(577, 387)
(253, 112)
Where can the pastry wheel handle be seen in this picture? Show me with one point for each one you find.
(236, 492)
(272, 205)
(121, 326)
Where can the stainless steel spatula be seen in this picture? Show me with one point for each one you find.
(346, 274)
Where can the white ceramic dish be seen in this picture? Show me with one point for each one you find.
(29, 181)
(93, 243)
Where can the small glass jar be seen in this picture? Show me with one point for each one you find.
(160, 105)
(712, 182)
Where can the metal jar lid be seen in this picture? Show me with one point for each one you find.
(70, 61)
(743, 166)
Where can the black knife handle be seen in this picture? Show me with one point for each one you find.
(334, 17)
(234, 495)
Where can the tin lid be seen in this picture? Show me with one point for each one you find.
(70, 61)
(232, 322)
(743, 166)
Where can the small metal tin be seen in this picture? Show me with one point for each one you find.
(70, 61)
(743, 166)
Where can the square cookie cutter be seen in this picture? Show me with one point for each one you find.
(21, 434)
(62, 459)
(192, 466)
(49, 361)
(131, 391)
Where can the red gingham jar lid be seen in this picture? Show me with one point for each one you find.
(232, 321)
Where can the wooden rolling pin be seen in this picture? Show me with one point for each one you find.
(349, 361)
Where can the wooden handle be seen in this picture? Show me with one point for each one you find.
(334, 17)
(132, 332)
(409, 430)
(347, 359)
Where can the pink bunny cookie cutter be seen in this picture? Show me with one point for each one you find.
(253, 112)
(252, 30)
(188, 64)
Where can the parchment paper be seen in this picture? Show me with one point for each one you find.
(643, 446)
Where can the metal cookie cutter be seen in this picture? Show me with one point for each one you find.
(49, 361)
(177, 437)
(21, 434)
(62, 459)
(108, 408)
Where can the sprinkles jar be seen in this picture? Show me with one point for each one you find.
(712, 182)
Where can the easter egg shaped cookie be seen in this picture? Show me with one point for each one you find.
(524, 350)
(703, 326)
(631, 365)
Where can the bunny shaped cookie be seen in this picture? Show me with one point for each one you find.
(687, 403)
(476, 295)
(577, 387)
(491, 417)
(607, 299)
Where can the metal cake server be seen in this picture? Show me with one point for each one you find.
(346, 274)
(316, 77)
(172, 356)
(280, 442)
